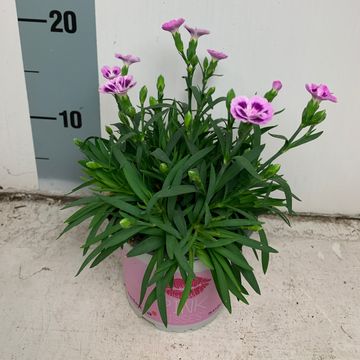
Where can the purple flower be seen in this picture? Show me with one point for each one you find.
(119, 85)
(277, 85)
(256, 110)
(217, 55)
(173, 25)
(320, 92)
(110, 72)
(195, 32)
(128, 59)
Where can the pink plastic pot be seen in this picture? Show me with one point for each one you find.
(202, 306)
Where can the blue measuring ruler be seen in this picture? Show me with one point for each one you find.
(58, 41)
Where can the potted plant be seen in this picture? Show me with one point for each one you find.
(181, 191)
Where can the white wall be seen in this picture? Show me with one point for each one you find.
(295, 41)
(17, 159)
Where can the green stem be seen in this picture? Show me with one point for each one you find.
(283, 149)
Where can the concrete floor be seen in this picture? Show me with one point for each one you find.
(309, 308)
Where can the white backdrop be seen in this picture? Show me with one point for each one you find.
(295, 41)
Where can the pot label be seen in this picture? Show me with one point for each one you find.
(202, 303)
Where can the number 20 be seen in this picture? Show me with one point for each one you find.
(68, 19)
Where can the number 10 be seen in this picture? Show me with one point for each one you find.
(75, 119)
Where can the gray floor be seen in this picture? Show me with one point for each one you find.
(309, 308)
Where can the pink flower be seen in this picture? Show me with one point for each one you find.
(195, 32)
(277, 85)
(320, 92)
(173, 25)
(128, 59)
(119, 85)
(256, 110)
(217, 55)
(110, 72)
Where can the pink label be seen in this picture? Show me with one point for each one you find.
(202, 303)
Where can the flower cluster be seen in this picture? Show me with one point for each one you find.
(119, 83)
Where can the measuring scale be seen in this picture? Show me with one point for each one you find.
(58, 41)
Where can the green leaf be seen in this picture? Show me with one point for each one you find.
(264, 255)
(287, 191)
(132, 176)
(187, 288)
(244, 240)
(149, 300)
(104, 254)
(282, 137)
(246, 164)
(180, 223)
(172, 191)
(171, 243)
(146, 277)
(183, 263)
(204, 258)
(161, 155)
(305, 139)
(161, 293)
(118, 203)
(220, 282)
(235, 257)
(233, 223)
(83, 201)
(250, 278)
(146, 246)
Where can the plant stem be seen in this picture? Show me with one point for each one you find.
(283, 149)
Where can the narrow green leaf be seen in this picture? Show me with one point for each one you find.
(146, 246)
(161, 155)
(171, 243)
(250, 278)
(264, 255)
(247, 166)
(221, 283)
(146, 277)
(204, 258)
(149, 300)
(235, 257)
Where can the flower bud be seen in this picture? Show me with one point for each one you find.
(152, 101)
(125, 223)
(277, 85)
(160, 84)
(210, 91)
(271, 170)
(190, 69)
(253, 227)
(205, 63)
(131, 111)
(143, 94)
(93, 165)
(229, 96)
(195, 178)
(309, 112)
(187, 120)
(272, 93)
(109, 130)
(78, 142)
(164, 168)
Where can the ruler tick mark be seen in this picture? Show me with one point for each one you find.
(42, 117)
(32, 20)
(32, 71)
(41, 158)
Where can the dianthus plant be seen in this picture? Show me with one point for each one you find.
(183, 185)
